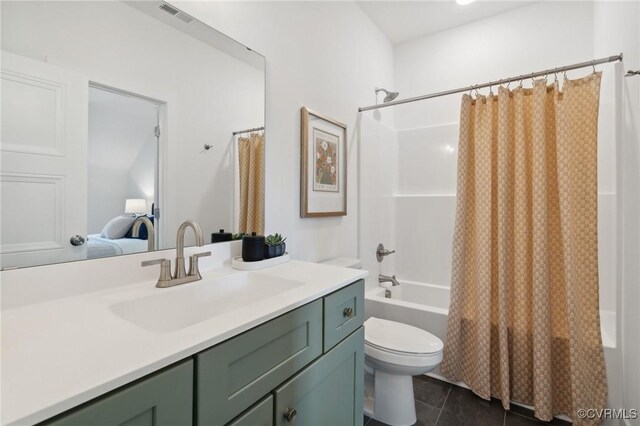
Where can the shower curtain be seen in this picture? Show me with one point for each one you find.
(524, 319)
(251, 165)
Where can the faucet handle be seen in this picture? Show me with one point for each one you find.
(165, 270)
(155, 262)
(193, 263)
(381, 252)
(203, 254)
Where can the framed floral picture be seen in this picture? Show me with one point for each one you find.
(323, 166)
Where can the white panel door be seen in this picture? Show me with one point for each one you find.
(43, 172)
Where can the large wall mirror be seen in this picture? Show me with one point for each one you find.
(120, 120)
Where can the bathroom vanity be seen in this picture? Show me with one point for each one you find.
(276, 346)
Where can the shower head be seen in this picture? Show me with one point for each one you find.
(390, 95)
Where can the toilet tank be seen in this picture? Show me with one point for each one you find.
(345, 262)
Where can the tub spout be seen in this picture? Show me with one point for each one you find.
(388, 279)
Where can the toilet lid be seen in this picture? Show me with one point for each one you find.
(400, 337)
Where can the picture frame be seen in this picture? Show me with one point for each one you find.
(323, 165)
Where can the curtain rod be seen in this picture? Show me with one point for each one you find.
(255, 129)
(495, 83)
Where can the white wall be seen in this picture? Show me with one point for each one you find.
(327, 56)
(116, 45)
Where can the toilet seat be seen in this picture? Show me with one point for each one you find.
(401, 344)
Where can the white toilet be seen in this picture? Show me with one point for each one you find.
(394, 353)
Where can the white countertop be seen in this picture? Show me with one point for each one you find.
(57, 354)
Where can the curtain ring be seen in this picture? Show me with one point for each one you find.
(555, 75)
(565, 73)
(476, 89)
(533, 82)
(521, 78)
(593, 65)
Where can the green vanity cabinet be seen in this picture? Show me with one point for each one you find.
(260, 414)
(163, 399)
(305, 366)
(329, 391)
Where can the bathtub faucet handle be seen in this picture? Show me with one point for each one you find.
(381, 252)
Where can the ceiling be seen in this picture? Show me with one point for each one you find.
(402, 21)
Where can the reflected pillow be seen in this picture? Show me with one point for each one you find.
(117, 227)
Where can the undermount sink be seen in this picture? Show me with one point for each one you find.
(180, 307)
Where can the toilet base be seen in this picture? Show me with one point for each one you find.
(393, 400)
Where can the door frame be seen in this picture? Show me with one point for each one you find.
(160, 183)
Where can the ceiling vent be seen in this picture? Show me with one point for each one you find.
(175, 12)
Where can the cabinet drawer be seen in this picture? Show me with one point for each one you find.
(328, 392)
(260, 414)
(343, 313)
(235, 374)
(164, 399)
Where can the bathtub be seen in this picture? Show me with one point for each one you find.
(426, 306)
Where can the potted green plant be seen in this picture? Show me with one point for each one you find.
(274, 246)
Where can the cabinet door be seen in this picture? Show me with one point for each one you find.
(327, 392)
(164, 399)
(260, 414)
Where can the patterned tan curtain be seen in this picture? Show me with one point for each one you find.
(524, 319)
(251, 164)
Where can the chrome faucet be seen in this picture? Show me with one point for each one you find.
(180, 275)
(388, 279)
(151, 238)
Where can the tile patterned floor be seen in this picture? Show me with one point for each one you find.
(442, 404)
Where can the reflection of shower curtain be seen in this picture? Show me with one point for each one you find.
(524, 321)
(251, 165)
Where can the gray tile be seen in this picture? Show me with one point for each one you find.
(464, 408)
(426, 414)
(559, 422)
(522, 411)
(518, 409)
(512, 419)
(431, 391)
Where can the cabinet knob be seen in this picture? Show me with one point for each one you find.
(290, 414)
(348, 312)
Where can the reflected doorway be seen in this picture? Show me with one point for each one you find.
(123, 168)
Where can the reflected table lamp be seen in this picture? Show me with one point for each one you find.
(135, 206)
